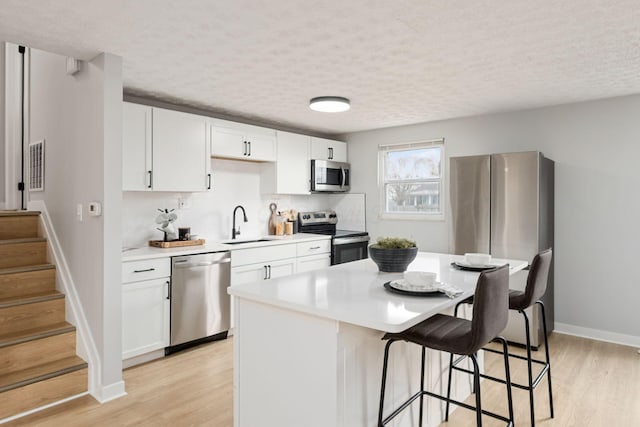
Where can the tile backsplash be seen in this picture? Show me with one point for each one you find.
(210, 214)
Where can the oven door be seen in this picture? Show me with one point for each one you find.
(329, 176)
(347, 249)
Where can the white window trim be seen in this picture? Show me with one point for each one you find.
(382, 148)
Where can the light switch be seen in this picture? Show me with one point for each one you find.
(79, 211)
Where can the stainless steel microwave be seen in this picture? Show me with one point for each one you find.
(329, 176)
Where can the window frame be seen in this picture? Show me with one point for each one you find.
(382, 200)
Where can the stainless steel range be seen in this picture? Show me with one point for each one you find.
(346, 245)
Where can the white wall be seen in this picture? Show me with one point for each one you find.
(210, 214)
(596, 149)
(80, 119)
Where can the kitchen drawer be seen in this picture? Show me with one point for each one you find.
(313, 262)
(262, 254)
(314, 247)
(135, 271)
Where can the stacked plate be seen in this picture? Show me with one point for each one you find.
(416, 282)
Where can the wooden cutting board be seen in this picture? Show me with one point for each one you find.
(175, 243)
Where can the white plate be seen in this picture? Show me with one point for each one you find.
(468, 265)
(402, 285)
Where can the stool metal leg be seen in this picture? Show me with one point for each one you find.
(507, 376)
(476, 381)
(446, 410)
(473, 385)
(546, 349)
(422, 386)
(528, 337)
(384, 380)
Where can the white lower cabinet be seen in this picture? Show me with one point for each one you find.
(145, 306)
(313, 255)
(262, 271)
(145, 317)
(313, 262)
(272, 262)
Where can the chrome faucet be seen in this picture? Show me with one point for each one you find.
(235, 232)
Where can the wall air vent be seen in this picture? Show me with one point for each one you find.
(36, 166)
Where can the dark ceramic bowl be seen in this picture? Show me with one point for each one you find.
(392, 260)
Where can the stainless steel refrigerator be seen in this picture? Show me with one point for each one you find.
(502, 204)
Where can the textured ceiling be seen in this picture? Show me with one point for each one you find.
(399, 62)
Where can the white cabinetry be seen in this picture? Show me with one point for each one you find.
(313, 255)
(180, 152)
(164, 150)
(263, 271)
(145, 306)
(290, 173)
(239, 141)
(263, 263)
(136, 147)
(327, 149)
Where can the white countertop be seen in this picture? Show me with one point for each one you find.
(354, 292)
(149, 252)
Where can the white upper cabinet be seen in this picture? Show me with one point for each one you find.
(180, 152)
(245, 142)
(290, 174)
(164, 150)
(136, 147)
(328, 149)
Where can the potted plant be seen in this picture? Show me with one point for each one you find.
(393, 254)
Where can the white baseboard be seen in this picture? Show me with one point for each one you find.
(143, 358)
(596, 334)
(104, 394)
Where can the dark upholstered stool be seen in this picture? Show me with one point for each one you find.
(518, 300)
(463, 337)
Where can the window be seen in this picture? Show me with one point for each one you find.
(411, 180)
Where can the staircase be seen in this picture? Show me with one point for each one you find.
(38, 362)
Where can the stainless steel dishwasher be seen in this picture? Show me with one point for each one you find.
(200, 305)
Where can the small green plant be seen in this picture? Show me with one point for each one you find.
(393, 243)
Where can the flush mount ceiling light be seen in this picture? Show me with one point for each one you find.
(329, 104)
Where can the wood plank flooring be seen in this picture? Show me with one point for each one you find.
(595, 384)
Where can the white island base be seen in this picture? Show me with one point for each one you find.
(294, 369)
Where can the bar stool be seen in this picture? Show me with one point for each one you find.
(519, 300)
(462, 337)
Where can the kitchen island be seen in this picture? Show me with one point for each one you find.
(308, 349)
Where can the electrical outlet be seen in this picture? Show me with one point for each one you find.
(184, 203)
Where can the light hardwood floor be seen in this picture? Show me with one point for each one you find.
(595, 384)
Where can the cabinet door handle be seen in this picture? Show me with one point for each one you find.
(330, 153)
(265, 272)
(249, 143)
(209, 181)
(168, 289)
(314, 248)
(269, 267)
(150, 179)
(144, 271)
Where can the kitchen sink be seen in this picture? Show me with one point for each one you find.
(237, 242)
